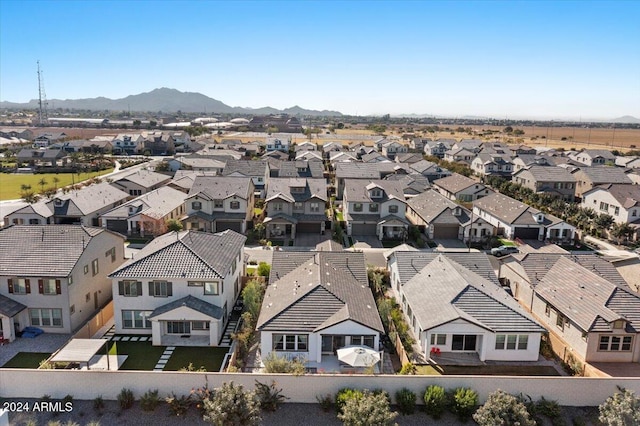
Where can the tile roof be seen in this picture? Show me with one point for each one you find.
(547, 174)
(310, 291)
(281, 188)
(603, 174)
(245, 167)
(512, 211)
(365, 170)
(301, 168)
(413, 183)
(584, 296)
(374, 156)
(44, 250)
(9, 307)
(627, 195)
(221, 187)
(435, 207)
(155, 204)
(145, 178)
(87, 200)
(456, 183)
(185, 255)
(443, 290)
(190, 302)
(356, 190)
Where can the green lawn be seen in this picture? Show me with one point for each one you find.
(141, 355)
(10, 183)
(251, 270)
(209, 358)
(27, 360)
(505, 242)
(426, 370)
(390, 243)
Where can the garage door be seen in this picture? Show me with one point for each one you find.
(308, 228)
(234, 226)
(363, 229)
(445, 232)
(526, 233)
(119, 226)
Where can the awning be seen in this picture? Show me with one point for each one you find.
(79, 350)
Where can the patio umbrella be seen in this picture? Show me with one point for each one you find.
(358, 356)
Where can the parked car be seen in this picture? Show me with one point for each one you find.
(504, 250)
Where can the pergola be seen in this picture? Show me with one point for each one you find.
(80, 351)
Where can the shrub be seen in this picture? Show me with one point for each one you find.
(406, 401)
(345, 394)
(463, 403)
(409, 369)
(200, 395)
(232, 405)
(502, 409)
(277, 364)
(435, 401)
(67, 398)
(264, 269)
(620, 409)
(325, 401)
(126, 398)
(178, 405)
(150, 400)
(98, 403)
(269, 396)
(368, 409)
(547, 408)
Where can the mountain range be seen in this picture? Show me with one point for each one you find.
(165, 100)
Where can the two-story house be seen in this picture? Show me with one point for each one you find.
(438, 147)
(159, 143)
(258, 171)
(180, 288)
(128, 144)
(375, 208)
(484, 165)
(280, 143)
(588, 178)
(294, 206)
(148, 214)
(430, 170)
(141, 182)
(514, 219)
(594, 157)
(582, 300)
(555, 181)
(391, 148)
(417, 144)
(461, 188)
(459, 155)
(43, 140)
(440, 218)
(217, 203)
(523, 161)
(54, 277)
(621, 201)
(454, 303)
(366, 171)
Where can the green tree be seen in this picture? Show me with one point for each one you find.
(252, 298)
(508, 129)
(174, 225)
(56, 180)
(42, 182)
(264, 269)
(622, 231)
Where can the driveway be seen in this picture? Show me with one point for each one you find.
(450, 243)
(366, 241)
(310, 240)
(44, 343)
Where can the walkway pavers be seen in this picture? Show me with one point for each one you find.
(164, 358)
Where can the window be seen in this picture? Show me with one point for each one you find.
(357, 207)
(234, 205)
(615, 343)
(86, 269)
(200, 325)
(111, 253)
(130, 288)
(277, 207)
(195, 284)
(512, 342)
(72, 309)
(584, 336)
(178, 327)
(297, 206)
(218, 204)
(291, 342)
(160, 289)
(618, 324)
(617, 211)
(373, 207)
(34, 221)
(45, 317)
(87, 298)
(211, 288)
(136, 319)
(376, 193)
(18, 221)
(314, 207)
(393, 209)
(560, 321)
(19, 286)
(547, 310)
(362, 341)
(94, 267)
(196, 205)
(49, 286)
(463, 342)
(438, 339)
(70, 279)
(604, 206)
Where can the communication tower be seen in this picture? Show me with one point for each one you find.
(42, 100)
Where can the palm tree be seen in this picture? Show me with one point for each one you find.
(24, 187)
(56, 180)
(42, 182)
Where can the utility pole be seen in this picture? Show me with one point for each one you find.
(42, 100)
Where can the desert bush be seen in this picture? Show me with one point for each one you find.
(620, 409)
(126, 398)
(231, 405)
(269, 396)
(368, 409)
(502, 409)
(406, 401)
(435, 401)
(277, 364)
(198, 396)
(548, 408)
(150, 400)
(178, 405)
(325, 401)
(463, 403)
(345, 394)
(98, 403)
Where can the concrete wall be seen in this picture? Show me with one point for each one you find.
(571, 391)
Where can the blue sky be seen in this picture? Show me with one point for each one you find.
(500, 59)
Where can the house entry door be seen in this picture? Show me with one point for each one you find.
(330, 344)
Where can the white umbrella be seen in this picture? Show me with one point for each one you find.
(358, 356)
